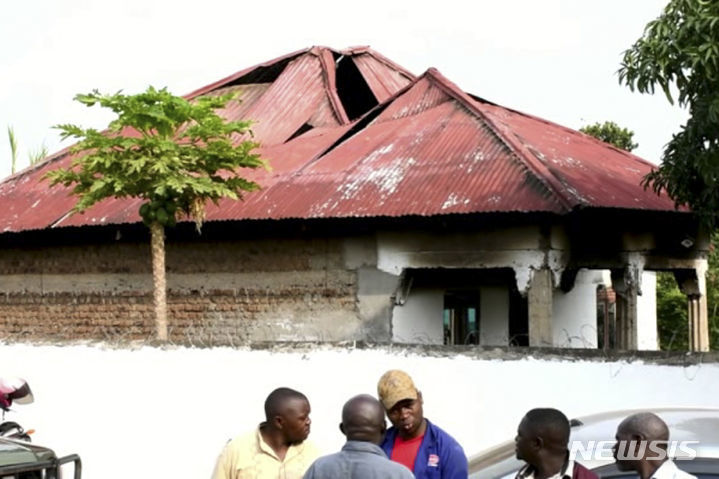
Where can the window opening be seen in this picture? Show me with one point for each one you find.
(461, 317)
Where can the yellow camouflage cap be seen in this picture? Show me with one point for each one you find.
(395, 386)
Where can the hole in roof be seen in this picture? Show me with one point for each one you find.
(263, 74)
(359, 126)
(300, 131)
(354, 92)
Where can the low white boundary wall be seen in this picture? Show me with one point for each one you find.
(151, 412)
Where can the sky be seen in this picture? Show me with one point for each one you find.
(554, 59)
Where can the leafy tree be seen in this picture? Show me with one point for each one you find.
(672, 321)
(679, 54)
(171, 153)
(610, 132)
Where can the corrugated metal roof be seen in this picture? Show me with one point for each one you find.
(383, 77)
(430, 149)
(591, 172)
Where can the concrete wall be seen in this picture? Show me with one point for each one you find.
(494, 316)
(219, 293)
(419, 320)
(167, 412)
(324, 289)
(574, 322)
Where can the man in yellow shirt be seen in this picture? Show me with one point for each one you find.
(277, 449)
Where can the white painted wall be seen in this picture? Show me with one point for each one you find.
(574, 313)
(648, 337)
(494, 316)
(167, 412)
(574, 320)
(419, 319)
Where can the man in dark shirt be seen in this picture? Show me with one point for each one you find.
(427, 450)
(361, 457)
(542, 439)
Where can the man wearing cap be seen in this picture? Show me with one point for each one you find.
(427, 450)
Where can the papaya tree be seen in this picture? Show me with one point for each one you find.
(173, 154)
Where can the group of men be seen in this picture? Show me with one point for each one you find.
(641, 442)
(414, 447)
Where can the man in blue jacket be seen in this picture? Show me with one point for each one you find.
(428, 451)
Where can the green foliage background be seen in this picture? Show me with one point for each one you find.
(678, 54)
(610, 132)
(672, 320)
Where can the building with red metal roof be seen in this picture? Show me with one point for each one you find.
(398, 208)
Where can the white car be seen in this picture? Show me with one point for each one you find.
(693, 435)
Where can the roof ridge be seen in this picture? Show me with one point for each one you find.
(58, 155)
(329, 75)
(573, 131)
(360, 123)
(538, 169)
(243, 72)
(380, 58)
(330, 90)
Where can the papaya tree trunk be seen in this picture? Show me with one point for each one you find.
(159, 280)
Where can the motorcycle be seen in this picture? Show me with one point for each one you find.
(14, 390)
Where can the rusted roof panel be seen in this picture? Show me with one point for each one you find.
(248, 72)
(247, 96)
(423, 95)
(285, 161)
(430, 149)
(298, 94)
(383, 77)
(290, 102)
(440, 161)
(593, 173)
(27, 202)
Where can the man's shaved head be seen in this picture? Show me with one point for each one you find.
(363, 419)
(542, 438)
(641, 438)
(550, 424)
(646, 425)
(278, 400)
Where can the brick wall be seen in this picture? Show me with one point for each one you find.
(219, 293)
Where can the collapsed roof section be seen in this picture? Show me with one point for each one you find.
(351, 134)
